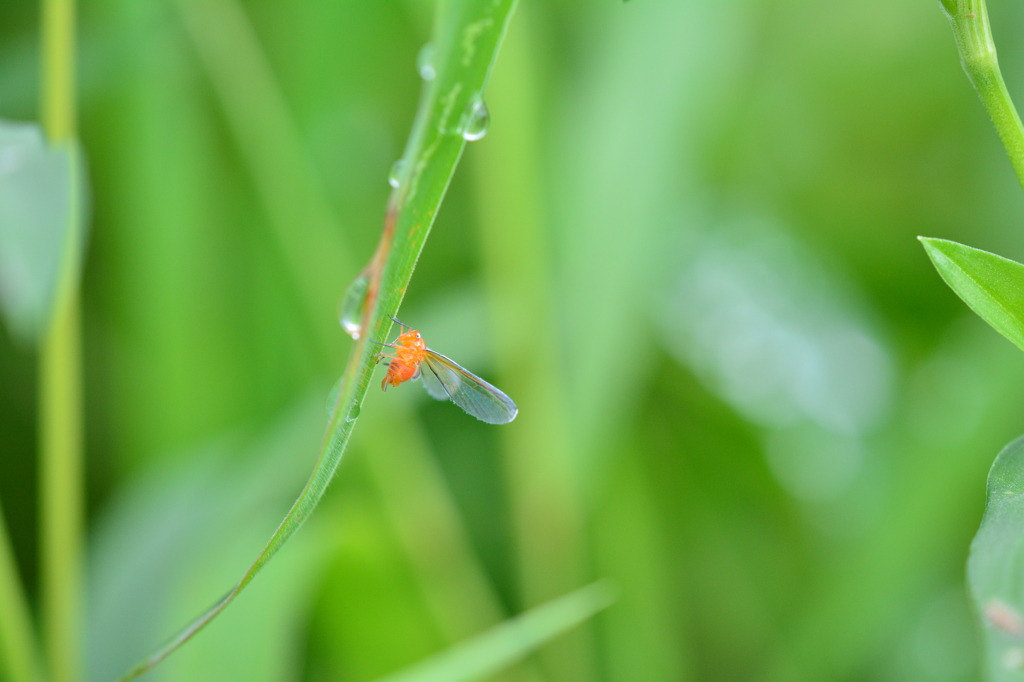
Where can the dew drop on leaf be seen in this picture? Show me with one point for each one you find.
(351, 313)
(425, 62)
(395, 174)
(476, 121)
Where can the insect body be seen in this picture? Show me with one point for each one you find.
(405, 363)
(444, 379)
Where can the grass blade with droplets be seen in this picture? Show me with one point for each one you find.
(467, 34)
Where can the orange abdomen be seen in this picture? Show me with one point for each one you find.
(400, 370)
(405, 363)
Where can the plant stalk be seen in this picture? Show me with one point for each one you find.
(544, 485)
(973, 35)
(60, 382)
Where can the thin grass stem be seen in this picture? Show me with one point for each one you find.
(60, 383)
(291, 192)
(546, 499)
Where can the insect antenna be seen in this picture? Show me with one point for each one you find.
(395, 319)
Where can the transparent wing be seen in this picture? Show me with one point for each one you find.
(432, 384)
(443, 378)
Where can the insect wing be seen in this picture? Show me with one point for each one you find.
(433, 385)
(468, 391)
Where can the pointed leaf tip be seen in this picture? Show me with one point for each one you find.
(991, 285)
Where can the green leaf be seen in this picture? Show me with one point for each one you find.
(991, 285)
(510, 641)
(18, 649)
(995, 568)
(40, 224)
(467, 35)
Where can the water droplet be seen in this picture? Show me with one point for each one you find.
(353, 414)
(395, 174)
(352, 303)
(476, 121)
(425, 62)
(333, 396)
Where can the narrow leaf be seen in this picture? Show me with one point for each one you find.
(40, 217)
(18, 648)
(991, 285)
(467, 36)
(504, 644)
(995, 568)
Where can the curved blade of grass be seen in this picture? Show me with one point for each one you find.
(991, 285)
(265, 132)
(18, 648)
(467, 35)
(405, 473)
(510, 641)
(993, 572)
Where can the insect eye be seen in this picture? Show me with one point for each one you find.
(418, 335)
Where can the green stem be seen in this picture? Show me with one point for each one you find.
(17, 645)
(544, 486)
(969, 20)
(60, 383)
(58, 86)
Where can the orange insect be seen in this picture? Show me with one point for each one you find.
(444, 379)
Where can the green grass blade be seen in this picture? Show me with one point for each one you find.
(994, 567)
(991, 285)
(406, 475)
(267, 135)
(18, 649)
(538, 457)
(467, 35)
(420, 506)
(508, 642)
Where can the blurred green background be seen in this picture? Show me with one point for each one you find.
(686, 248)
